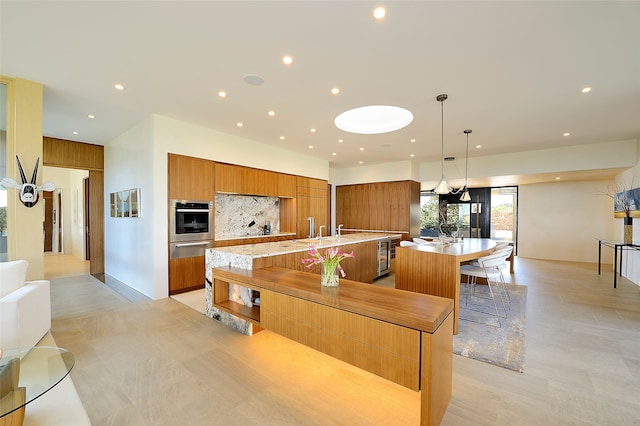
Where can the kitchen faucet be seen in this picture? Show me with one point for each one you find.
(312, 227)
(339, 231)
(320, 235)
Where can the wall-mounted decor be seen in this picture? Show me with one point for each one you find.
(28, 191)
(125, 203)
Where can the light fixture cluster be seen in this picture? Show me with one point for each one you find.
(443, 186)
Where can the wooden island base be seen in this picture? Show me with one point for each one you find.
(402, 336)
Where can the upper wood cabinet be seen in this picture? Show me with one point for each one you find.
(312, 201)
(234, 179)
(229, 178)
(286, 185)
(190, 178)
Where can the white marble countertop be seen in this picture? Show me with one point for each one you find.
(292, 246)
(245, 237)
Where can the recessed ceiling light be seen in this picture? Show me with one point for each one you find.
(339, 140)
(281, 138)
(558, 178)
(222, 94)
(119, 87)
(75, 133)
(566, 134)
(310, 146)
(333, 153)
(373, 119)
(379, 12)
(361, 162)
(361, 149)
(239, 124)
(586, 90)
(313, 130)
(413, 140)
(91, 116)
(478, 146)
(335, 90)
(287, 60)
(411, 155)
(271, 113)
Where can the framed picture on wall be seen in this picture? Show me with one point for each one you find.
(125, 203)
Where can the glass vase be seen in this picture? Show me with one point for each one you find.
(329, 277)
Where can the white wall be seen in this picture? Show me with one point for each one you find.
(130, 243)
(562, 221)
(136, 251)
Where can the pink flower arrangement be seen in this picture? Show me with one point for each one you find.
(331, 259)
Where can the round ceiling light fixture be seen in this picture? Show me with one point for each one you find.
(373, 119)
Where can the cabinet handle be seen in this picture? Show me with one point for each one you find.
(204, 243)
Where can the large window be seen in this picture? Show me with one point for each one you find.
(504, 204)
(492, 214)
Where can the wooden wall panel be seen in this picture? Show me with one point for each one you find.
(72, 155)
(96, 221)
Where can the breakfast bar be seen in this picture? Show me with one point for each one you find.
(399, 335)
(435, 268)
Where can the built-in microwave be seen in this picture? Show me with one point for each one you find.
(190, 220)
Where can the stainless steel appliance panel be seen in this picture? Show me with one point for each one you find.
(384, 261)
(190, 220)
(183, 249)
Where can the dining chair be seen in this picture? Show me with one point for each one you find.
(405, 243)
(489, 268)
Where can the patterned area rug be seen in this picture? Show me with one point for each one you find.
(486, 337)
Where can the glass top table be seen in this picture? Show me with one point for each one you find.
(28, 373)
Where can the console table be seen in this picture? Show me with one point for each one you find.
(402, 336)
(616, 246)
(26, 374)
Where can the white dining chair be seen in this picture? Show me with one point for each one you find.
(489, 268)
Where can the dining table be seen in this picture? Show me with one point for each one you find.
(434, 268)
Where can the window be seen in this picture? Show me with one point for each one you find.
(504, 204)
(3, 172)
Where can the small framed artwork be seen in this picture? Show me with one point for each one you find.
(125, 203)
(476, 208)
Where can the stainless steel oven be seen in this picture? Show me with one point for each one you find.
(384, 249)
(190, 220)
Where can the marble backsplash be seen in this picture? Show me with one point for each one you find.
(234, 214)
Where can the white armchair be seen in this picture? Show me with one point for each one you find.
(25, 307)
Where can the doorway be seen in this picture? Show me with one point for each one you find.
(65, 223)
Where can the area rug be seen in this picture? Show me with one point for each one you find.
(485, 337)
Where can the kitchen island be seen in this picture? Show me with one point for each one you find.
(402, 336)
(435, 269)
(286, 254)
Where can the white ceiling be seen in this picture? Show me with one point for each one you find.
(513, 71)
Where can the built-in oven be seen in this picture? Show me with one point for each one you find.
(190, 220)
(384, 261)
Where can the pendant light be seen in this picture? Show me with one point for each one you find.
(465, 194)
(443, 187)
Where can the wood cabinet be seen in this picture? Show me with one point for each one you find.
(384, 206)
(186, 274)
(229, 178)
(287, 185)
(363, 267)
(312, 201)
(190, 178)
